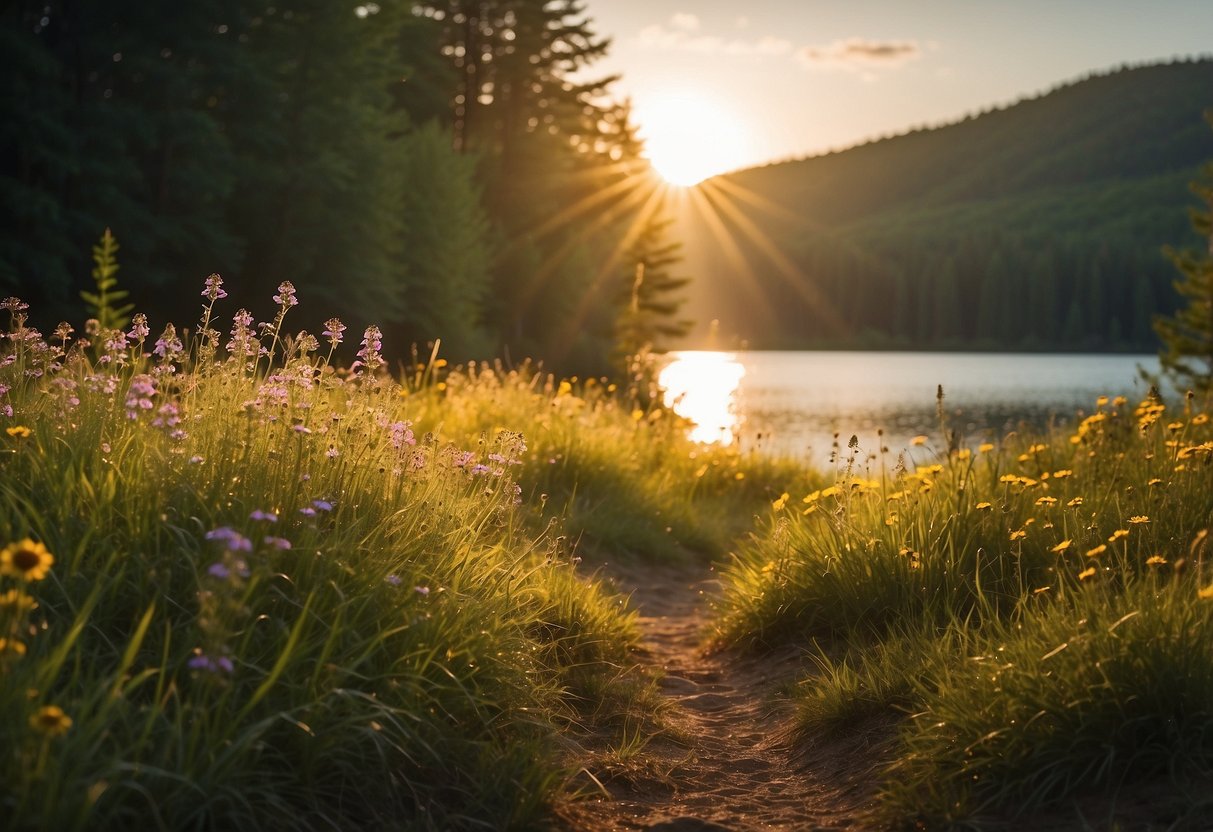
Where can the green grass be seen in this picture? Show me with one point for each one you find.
(1034, 615)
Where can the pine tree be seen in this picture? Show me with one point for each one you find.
(1187, 336)
(649, 297)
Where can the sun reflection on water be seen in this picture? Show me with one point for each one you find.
(702, 387)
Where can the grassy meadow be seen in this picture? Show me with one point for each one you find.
(1035, 617)
(256, 580)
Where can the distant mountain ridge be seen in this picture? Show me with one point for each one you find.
(1035, 226)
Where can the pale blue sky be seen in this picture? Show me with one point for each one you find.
(795, 77)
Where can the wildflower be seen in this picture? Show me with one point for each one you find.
(423, 591)
(1077, 501)
(50, 720)
(210, 664)
(1089, 572)
(369, 356)
(1155, 560)
(214, 288)
(11, 647)
(1101, 401)
(27, 560)
(394, 580)
(276, 542)
(983, 506)
(1018, 534)
(231, 539)
(263, 516)
(1206, 593)
(1138, 519)
(1061, 547)
(13, 305)
(139, 328)
(779, 504)
(302, 429)
(286, 295)
(920, 439)
(1175, 427)
(19, 431)
(332, 331)
(219, 570)
(196, 460)
(1062, 474)
(400, 435)
(139, 395)
(17, 601)
(1119, 401)
(637, 415)
(1045, 501)
(1097, 551)
(1118, 534)
(739, 476)
(1200, 418)
(985, 447)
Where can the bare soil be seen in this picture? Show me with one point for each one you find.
(727, 760)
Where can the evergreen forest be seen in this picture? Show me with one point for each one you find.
(442, 169)
(1039, 225)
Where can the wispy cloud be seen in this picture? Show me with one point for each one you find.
(859, 54)
(682, 33)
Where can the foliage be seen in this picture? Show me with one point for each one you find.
(105, 305)
(649, 302)
(1187, 336)
(238, 580)
(1041, 606)
(1039, 222)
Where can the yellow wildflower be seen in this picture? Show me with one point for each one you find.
(1018, 534)
(1200, 418)
(1175, 426)
(17, 601)
(10, 646)
(1101, 401)
(1045, 501)
(1206, 593)
(985, 447)
(781, 502)
(921, 439)
(983, 506)
(1154, 481)
(50, 720)
(739, 476)
(1061, 547)
(1155, 560)
(637, 415)
(19, 431)
(1118, 534)
(1089, 572)
(1097, 551)
(1077, 501)
(1062, 474)
(27, 559)
(1119, 401)
(1138, 519)
(565, 389)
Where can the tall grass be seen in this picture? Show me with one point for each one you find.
(1042, 608)
(273, 603)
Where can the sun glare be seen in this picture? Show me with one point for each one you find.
(689, 138)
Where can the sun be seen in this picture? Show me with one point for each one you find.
(689, 137)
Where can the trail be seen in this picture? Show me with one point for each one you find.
(727, 763)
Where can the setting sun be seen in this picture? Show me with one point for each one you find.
(689, 138)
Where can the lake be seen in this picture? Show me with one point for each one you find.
(801, 403)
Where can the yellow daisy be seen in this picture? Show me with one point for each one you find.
(27, 559)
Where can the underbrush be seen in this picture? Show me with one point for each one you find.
(241, 590)
(1042, 610)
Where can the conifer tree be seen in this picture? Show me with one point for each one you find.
(649, 297)
(1187, 336)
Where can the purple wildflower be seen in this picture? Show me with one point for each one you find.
(286, 294)
(322, 505)
(231, 539)
(332, 331)
(139, 328)
(13, 305)
(267, 516)
(308, 511)
(394, 580)
(423, 591)
(139, 395)
(400, 435)
(196, 460)
(210, 664)
(369, 356)
(214, 290)
(276, 542)
(219, 570)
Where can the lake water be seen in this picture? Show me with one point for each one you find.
(797, 402)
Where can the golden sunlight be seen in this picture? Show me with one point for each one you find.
(701, 386)
(689, 138)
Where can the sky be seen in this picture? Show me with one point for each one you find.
(719, 84)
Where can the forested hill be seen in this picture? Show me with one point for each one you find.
(1039, 225)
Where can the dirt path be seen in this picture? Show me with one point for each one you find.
(726, 764)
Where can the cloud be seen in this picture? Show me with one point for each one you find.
(682, 34)
(685, 21)
(859, 54)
